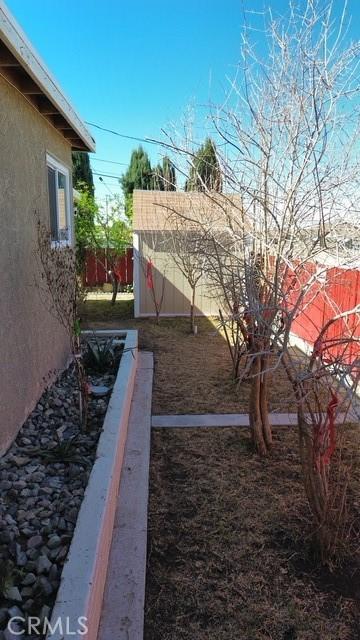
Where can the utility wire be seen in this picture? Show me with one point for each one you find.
(124, 164)
(157, 143)
(122, 135)
(106, 175)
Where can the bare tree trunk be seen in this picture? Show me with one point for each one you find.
(264, 405)
(192, 310)
(115, 285)
(313, 488)
(258, 407)
(255, 410)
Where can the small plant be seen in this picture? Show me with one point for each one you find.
(99, 355)
(64, 451)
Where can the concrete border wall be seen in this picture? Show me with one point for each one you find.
(84, 573)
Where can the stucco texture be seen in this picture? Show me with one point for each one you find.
(33, 345)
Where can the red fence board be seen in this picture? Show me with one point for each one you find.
(339, 292)
(97, 268)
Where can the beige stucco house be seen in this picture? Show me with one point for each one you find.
(158, 216)
(38, 131)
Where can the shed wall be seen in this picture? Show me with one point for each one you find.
(177, 292)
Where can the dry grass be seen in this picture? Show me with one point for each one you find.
(227, 556)
(192, 373)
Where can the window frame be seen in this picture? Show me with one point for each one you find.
(59, 167)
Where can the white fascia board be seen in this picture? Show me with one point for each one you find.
(16, 41)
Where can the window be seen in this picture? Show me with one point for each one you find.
(59, 201)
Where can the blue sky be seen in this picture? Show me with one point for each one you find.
(135, 66)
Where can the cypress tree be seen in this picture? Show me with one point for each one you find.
(82, 173)
(169, 176)
(205, 173)
(139, 173)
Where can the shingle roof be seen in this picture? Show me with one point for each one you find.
(154, 210)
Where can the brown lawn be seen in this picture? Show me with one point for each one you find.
(192, 373)
(229, 553)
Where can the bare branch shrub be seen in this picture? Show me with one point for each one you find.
(59, 291)
(287, 144)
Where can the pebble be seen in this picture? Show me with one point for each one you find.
(45, 612)
(44, 497)
(54, 542)
(15, 612)
(43, 564)
(13, 593)
(20, 461)
(45, 586)
(35, 541)
(6, 537)
(29, 579)
(29, 605)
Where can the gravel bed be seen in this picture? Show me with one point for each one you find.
(43, 477)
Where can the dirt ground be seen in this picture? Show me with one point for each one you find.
(229, 554)
(192, 373)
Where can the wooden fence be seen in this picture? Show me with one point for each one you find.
(97, 267)
(336, 291)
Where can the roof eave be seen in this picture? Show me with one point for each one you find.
(19, 46)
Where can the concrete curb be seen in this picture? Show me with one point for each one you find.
(224, 420)
(124, 595)
(83, 578)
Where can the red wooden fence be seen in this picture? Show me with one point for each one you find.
(96, 267)
(337, 291)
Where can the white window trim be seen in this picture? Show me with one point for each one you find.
(58, 166)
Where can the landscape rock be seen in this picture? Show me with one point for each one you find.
(13, 593)
(54, 542)
(35, 541)
(43, 564)
(43, 497)
(29, 579)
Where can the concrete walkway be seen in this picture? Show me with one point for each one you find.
(225, 420)
(122, 615)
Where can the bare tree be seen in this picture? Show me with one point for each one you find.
(185, 246)
(154, 269)
(289, 129)
(287, 138)
(59, 291)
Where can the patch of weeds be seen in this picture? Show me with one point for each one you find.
(64, 451)
(99, 355)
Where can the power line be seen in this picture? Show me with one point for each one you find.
(122, 135)
(106, 175)
(124, 164)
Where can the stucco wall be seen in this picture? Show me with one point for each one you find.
(32, 343)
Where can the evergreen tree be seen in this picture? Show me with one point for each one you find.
(164, 178)
(158, 178)
(168, 172)
(205, 173)
(138, 176)
(139, 173)
(82, 174)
